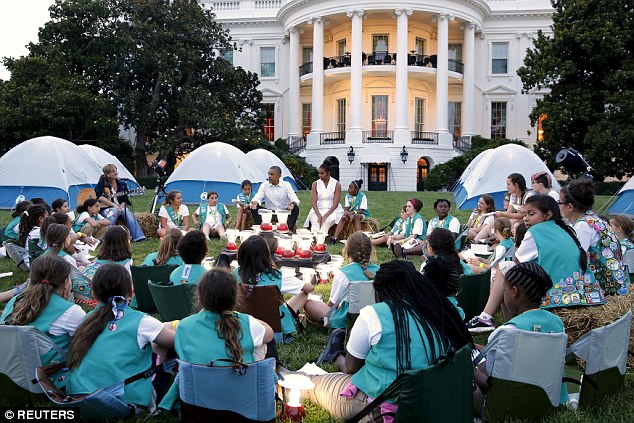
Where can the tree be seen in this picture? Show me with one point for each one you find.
(156, 62)
(588, 66)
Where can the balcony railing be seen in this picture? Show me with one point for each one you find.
(221, 6)
(296, 144)
(381, 58)
(463, 143)
(421, 137)
(268, 4)
(378, 137)
(338, 137)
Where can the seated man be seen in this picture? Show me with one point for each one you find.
(278, 195)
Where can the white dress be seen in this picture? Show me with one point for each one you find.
(325, 196)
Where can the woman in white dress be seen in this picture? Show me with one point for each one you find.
(325, 196)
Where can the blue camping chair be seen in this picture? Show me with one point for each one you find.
(104, 403)
(239, 392)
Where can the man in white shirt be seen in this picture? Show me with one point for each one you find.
(278, 195)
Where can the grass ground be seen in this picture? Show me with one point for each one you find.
(384, 206)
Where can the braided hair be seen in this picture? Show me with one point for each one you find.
(546, 203)
(444, 276)
(359, 250)
(411, 296)
(531, 279)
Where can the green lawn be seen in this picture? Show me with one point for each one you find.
(384, 206)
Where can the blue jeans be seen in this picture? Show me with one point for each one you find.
(112, 213)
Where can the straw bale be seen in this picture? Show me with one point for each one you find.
(367, 225)
(148, 223)
(580, 320)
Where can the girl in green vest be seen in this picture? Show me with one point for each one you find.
(397, 228)
(409, 328)
(13, 228)
(623, 227)
(218, 332)
(411, 240)
(167, 252)
(503, 232)
(524, 287)
(359, 253)
(596, 236)
(89, 221)
(356, 208)
(441, 244)
(244, 200)
(44, 305)
(173, 214)
(58, 241)
(115, 342)
(30, 223)
(443, 218)
(192, 250)
(445, 278)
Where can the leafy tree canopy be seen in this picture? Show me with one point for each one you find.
(155, 64)
(587, 68)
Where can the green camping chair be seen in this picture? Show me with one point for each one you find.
(473, 293)
(143, 300)
(526, 370)
(34, 249)
(174, 302)
(605, 352)
(440, 393)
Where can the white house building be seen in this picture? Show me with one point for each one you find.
(387, 89)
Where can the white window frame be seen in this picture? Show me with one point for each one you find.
(506, 123)
(276, 61)
(419, 111)
(341, 112)
(508, 57)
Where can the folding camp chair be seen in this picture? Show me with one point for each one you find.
(440, 393)
(358, 294)
(174, 302)
(628, 260)
(104, 403)
(22, 349)
(526, 370)
(34, 249)
(239, 392)
(473, 293)
(605, 352)
(143, 300)
(263, 303)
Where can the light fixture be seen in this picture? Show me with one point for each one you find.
(351, 154)
(294, 384)
(404, 154)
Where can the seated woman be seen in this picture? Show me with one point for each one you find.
(192, 249)
(79, 256)
(440, 244)
(414, 233)
(358, 251)
(356, 208)
(524, 286)
(243, 204)
(61, 206)
(30, 224)
(542, 184)
(257, 269)
(596, 237)
(173, 214)
(44, 305)
(444, 219)
(397, 228)
(480, 225)
(13, 228)
(58, 241)
(167, 252)
(218, 332)
(115, 341)
(325, 195)
(89, 221)
(407, 329)
(516, 185)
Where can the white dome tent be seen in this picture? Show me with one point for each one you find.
(216, 167)
(264, 159)
(46, 167)
(102, 157)
(488, 175)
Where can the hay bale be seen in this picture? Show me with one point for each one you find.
(367, 225)
(580, 320)
(148, 223)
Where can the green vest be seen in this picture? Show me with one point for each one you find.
(355, 203)
(605, 258)
(433, 223)
(354, 273)
(267, 279)
(204, 209)
(149, 260)
(558, 254)
(115, 356)
(55, 308)
(187, 273)
(409, 226)
(8, 231)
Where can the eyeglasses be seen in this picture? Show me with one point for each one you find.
(563, 202)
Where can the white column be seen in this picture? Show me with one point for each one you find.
(468, 80)
(294, 107)
(318, 76)
(355, 133)
(401, 127)
(442, 75)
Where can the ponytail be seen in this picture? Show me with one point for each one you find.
(168, 245)
(230, 330)
(29, 219)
